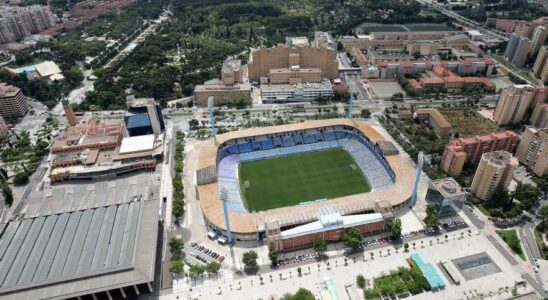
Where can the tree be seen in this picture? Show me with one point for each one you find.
(432, 219)
(273, 256)
(249, 259)
(394, 225)
(213, 267)
(352, 238)
(526, 194)
(340, 46)
(360, 281)
(7, 193)
(74, 76)
(193, 123)
(177, 266)
(21, 178)
(406, 247)
(196, 271)
(302, 294)
(500, 197)
(365, 113)
(320, 246)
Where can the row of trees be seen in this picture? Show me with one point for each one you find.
(178, 187)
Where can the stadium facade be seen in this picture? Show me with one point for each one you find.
(389, 174)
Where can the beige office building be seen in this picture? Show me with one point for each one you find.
(494, 170)
(533, 150)
(12, 101)
(299, 62)
(228, 89)
(539, 37)
(540, 63)
(513, 103)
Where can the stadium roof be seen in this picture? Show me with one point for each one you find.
(61, 252)
(137, 143)
(331, 222)
(290, 215)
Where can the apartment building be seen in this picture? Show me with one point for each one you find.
(391, 69)
(460, 150)
(513, 103)
(264, 60)
(17, 22)
(495, 170)
(540, 64)
(539, 37)
(533, 150)
(539, 118)
(518, 49)
(524, 29)
(438, 122)
(12, 101)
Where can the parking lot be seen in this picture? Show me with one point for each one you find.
(197, 254)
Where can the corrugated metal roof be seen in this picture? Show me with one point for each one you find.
(68, 246)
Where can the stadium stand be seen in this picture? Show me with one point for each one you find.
(366, 154)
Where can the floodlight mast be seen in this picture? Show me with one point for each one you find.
(212, 118)
(420, 162)
(224, 199)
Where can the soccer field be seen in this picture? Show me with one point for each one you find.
(289, 180)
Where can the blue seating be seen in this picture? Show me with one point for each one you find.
(368, 157)
(268, 144)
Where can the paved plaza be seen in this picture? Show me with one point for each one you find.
(230, 286)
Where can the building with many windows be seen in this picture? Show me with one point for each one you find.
(263, 62)
(446, 195)
(540, 68)
(12, 101)
(539, 37)
(533, 150)
(471, 148)
(539, 118)
(517, 49)
(228, 89)
(494, 170)
(296, 92)
(513, 103)
(17, 22)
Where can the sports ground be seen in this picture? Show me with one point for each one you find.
(290, 180)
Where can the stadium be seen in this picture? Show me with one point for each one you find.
(293, 184)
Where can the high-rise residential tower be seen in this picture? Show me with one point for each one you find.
(494, 170)
(533, 150)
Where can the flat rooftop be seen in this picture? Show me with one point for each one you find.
(137, 143)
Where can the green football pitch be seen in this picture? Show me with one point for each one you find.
(289, 180)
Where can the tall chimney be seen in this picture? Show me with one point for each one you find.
(71, 118)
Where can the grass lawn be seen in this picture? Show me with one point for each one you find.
(289, 180)
(511, 238)
(484, 210)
